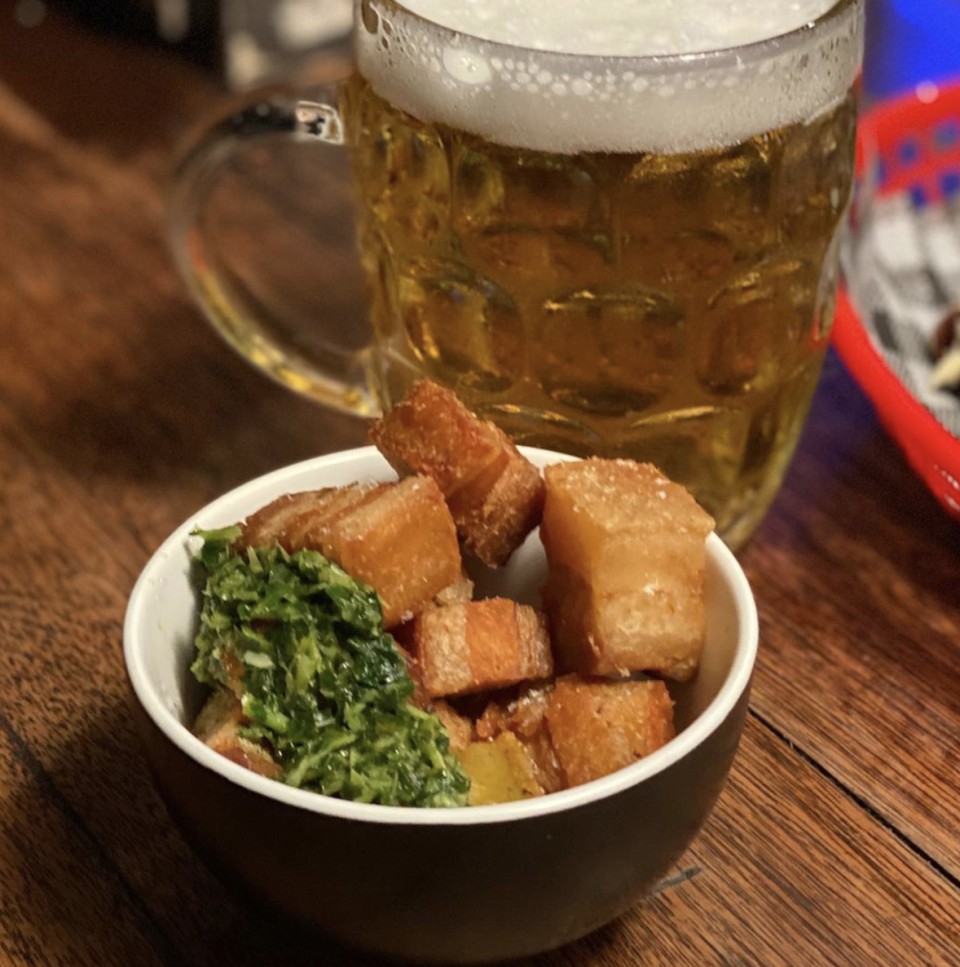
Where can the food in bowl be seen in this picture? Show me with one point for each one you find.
(397, 537)
(462, 704)
(494, 494)
(320, 692)
(504, 881)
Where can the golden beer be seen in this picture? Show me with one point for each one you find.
(669, 307)
(611, 228)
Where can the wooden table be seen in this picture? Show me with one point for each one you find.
(837, 839)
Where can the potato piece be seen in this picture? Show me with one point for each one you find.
(480, 645)
(494, 493)
(500, 771)
(218, 726)
(597, 727)
(399, 538)
(626, 559)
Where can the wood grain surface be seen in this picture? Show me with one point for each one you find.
(836, 840)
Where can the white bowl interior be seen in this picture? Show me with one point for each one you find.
(162, 620)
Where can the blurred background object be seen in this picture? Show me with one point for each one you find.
(247, 42)
(910, 42)
(244, 42)
(902, 250)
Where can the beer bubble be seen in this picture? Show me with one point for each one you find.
(466, 66)
(369, 17)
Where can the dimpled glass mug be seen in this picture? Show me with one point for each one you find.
(611, 229)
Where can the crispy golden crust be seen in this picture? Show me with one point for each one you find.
(511, 508)
(597, 727)
(577, 729)
(480, 645)
(398, 538)
(218, 726)
(430, 431)
(494, 493)
(268, 526)
(626, 559)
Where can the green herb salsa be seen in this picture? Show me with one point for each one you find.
(322, 684)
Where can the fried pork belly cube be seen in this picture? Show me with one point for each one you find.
(579, 729)
(626, 557)
(599, 726)
(399, 538)
(218, 726)
(494, 493)
(480, 645)
(501, 770)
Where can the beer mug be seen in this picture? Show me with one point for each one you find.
(610, 228)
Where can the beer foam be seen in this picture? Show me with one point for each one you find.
(622, 27)
(614, 75)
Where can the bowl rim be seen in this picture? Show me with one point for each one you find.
(695, 734)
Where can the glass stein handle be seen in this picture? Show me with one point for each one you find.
(338, 377)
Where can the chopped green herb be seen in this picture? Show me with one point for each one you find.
(322, 684)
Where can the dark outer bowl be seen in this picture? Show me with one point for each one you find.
(456, 894)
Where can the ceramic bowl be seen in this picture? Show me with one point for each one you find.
(464, 885)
